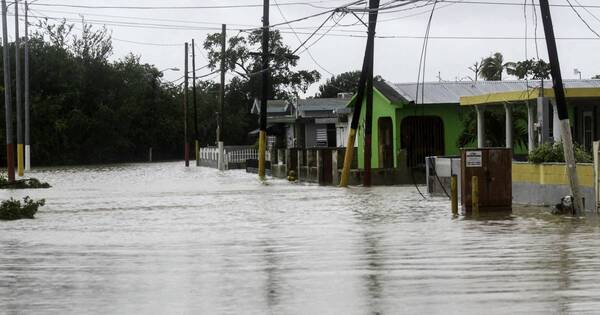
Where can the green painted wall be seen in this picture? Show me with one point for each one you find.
(381, 108)
(449, 113)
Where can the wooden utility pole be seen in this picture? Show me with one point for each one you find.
(186, 148)
(221, 162)
(561, 106)
(20, 164)
(27, 93)
(262, 142)
(196, 143)
(10, 153)
(373, 6)
(366, 75)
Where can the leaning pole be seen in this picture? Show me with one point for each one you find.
(366, 70)
(561, 106)
(10, 150)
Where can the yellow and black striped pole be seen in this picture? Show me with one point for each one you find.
(366, 70)
(262, 139)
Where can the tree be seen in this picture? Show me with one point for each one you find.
(493, 67)
(476, 68)
(530, 69)
(242, 58)
(596, 77)
(346, 82)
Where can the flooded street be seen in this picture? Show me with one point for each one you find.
(161, 239)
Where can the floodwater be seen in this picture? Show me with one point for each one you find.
(162, 239)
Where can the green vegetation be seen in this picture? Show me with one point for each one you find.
(346, 82)
(495, 123)
(28, 183)
(548, 152)
(12, 209)
(493, 67)
(88, 108)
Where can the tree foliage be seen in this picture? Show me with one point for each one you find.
(530, 69)
(493, 67)
(243, 58)
(346, 82)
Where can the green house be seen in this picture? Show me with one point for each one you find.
(412, 121)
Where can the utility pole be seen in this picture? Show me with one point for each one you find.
(561, 106)
(373, 12)
(221, 162)
(10, 153)
(197, 144)
(18, 92)
(185, 109)
(366, 75)
(262, 142)
(27, 93)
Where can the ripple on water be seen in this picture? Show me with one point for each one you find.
(159, 238)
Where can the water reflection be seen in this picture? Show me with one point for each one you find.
(158, 238)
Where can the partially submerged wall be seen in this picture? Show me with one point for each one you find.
(544, 184)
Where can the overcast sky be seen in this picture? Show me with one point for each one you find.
(396, 59)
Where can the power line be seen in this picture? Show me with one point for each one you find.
(582, 19)
(231, 6)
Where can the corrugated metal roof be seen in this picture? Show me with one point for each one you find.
(451, 92)
(322, 104)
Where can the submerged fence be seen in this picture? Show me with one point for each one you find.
(235, 156)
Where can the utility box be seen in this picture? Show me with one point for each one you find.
(493, 168)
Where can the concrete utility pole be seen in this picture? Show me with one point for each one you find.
(367, 63)
(262, 142)
(561, 106)
(221, 161)
(10, 150)
(27, 93)
(196, 143)
(186, 148)
(18, 92)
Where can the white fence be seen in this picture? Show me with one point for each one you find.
(235, 155)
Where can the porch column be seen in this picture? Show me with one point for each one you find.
(555, 123)
(530, 127)
(480, 126)
(509, 125)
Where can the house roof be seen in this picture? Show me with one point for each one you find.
(451, 92)
(322, 104)
(274, 107)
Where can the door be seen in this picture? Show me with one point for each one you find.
(422, 136)
(386, 142)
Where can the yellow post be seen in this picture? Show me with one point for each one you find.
(20, 159)
(475, 195)
(454, 194)
(262, 146)
(197, 153)
(348, 158)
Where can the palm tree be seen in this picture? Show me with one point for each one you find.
(493, 66)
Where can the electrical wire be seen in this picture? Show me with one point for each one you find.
(582, 19)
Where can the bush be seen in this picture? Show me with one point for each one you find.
(12, 209)
(553, 153)
(32, 183)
